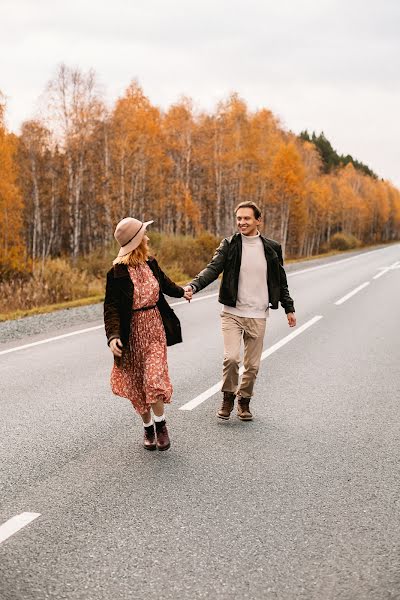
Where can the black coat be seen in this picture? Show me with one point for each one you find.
(118, 304)
(227, 260)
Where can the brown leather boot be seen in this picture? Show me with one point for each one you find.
(243, 409)
(149, 439)
(163, 441)
(226, 406)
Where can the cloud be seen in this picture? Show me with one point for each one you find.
(321, 64)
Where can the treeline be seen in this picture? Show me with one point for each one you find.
(331, 160)
(70, 175)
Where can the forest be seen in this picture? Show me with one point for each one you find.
(79, 167)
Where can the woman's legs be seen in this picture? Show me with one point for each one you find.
(146, 418)
(163, 441)
(158, 408)
(149, 440)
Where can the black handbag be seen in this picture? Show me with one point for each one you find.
(170, 321)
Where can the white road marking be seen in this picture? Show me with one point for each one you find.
(65, 335)
(333, 263)
(350, 294)
(384, 270)
(205, 297)
(15, 524)
(216, 388)
(52, 339)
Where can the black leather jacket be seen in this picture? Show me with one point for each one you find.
(227, 260)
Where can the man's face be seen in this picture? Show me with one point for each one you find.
(246, 221)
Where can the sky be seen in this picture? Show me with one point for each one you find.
(323, 65)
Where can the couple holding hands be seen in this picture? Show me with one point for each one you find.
(140, 324)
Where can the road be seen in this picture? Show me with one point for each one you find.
(301, 503)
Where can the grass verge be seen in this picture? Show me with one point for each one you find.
(40, 310)
(94, 299)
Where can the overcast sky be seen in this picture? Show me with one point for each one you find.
(330, 65)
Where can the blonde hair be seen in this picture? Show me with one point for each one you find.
(134, 258)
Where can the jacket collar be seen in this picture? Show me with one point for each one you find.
(120, 271)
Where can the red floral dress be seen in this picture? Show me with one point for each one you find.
(142, 373)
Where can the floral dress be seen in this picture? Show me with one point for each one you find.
(142, 373)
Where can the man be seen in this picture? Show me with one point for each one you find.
(253, 281)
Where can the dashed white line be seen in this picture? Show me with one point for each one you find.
(216, 388)
(15, 524)
(350, 294)
(384, 270)
(203, 297)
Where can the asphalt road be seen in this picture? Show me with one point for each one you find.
(301, 503)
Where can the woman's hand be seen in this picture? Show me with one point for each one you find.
(116, 347)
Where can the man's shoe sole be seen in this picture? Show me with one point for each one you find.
(245, 418)
(150, 447)
(223, 417)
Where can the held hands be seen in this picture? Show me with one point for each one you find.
(116, 347)
(291, 317)
(188, 292)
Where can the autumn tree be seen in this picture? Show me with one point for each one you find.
(12, 254)
(75, 109)
(81, 168)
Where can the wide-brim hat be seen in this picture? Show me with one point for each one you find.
(129, 234)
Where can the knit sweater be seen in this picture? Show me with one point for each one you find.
(252, 300)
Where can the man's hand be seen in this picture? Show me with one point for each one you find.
(188, 292)
(291, 317)
(116, 347)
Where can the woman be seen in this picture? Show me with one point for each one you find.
(139, 324)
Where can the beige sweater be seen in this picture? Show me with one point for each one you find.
(252, 298)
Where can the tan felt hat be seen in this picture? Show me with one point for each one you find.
(129, 234)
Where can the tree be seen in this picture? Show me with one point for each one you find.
(288, 177)
(75, 109)
(12, 254)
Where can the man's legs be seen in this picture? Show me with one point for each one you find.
(232, 332)
(253, 344)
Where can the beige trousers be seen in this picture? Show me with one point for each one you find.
(252, 331)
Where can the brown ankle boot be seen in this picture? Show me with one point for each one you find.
(149, 440)
(243, 409)
(163, 441)
(226, 406)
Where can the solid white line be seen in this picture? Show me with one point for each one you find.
(386, 269)
(350, 294)
(333, 263)
(65, 335)
(15, 524)
(52, 339)
(216, 388)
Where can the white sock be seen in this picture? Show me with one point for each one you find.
(149, 423)
(159, 419)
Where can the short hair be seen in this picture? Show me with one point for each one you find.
(253, 205)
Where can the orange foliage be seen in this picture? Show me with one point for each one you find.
(184, 169)
(11, 244)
